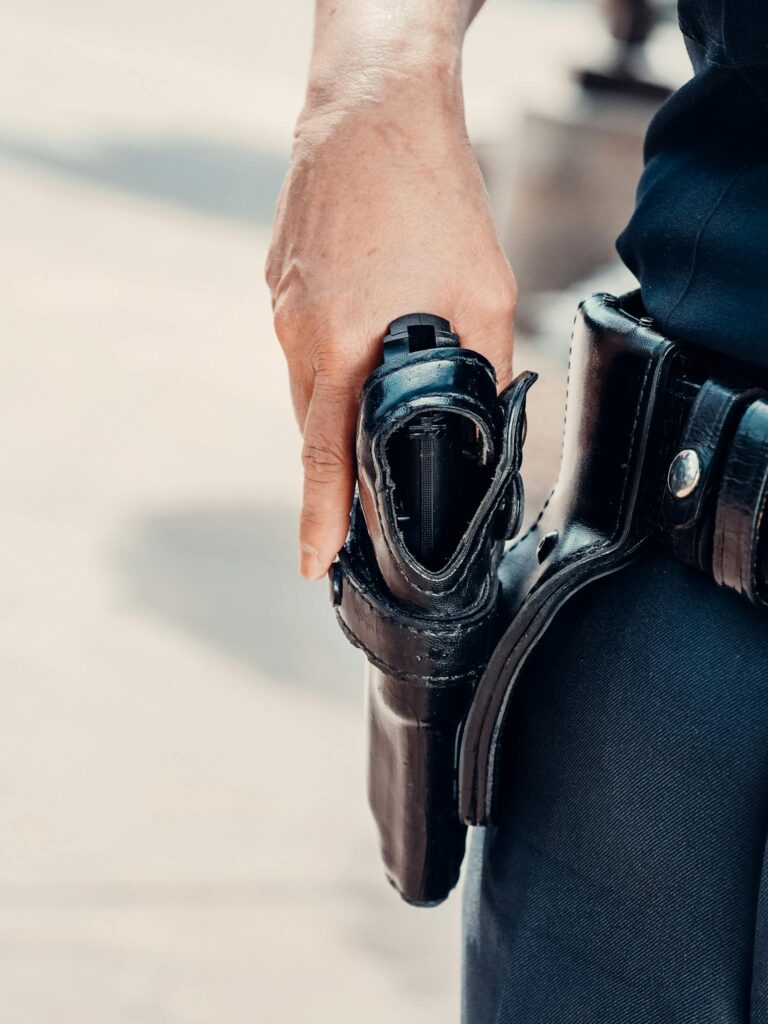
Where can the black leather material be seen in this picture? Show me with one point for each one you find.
(592, 525)
(635, 399)
(464, 383)
(449, 648)
(709, 430)
(426, 633)
(442, 648)
(413, 727)
(738, 550)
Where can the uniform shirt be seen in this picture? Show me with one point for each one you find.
(698, 239)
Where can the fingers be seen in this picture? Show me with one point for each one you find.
(329, 475)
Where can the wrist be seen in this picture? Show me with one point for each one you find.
(431, 104)
(386, 64)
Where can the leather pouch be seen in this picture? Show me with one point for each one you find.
(427, 621)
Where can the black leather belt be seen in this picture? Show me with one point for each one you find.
(713, 504)
(662, 441)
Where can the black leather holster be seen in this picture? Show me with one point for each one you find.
(445, 648)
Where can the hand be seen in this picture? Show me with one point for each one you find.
(383, 213)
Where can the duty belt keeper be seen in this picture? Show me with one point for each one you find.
(695, 470)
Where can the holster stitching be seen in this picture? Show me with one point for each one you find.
(397, 673)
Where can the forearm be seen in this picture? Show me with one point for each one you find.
(365, 50)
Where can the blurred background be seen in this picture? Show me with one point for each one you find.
(185, 837)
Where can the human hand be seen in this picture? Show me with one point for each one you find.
(383, 212)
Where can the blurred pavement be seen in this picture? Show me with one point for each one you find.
(185, 836)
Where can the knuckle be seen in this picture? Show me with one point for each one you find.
(341, 366)
(271, 271)
(335, 379)
(503, 302)
(328, 362)
(274, 266)
(323, 461)
(284, 319)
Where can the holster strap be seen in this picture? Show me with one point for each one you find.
(431, 651)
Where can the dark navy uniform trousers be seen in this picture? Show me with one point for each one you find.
(627, 878)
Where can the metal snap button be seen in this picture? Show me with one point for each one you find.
(684, 473)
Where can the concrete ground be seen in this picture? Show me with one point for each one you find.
(185, 836)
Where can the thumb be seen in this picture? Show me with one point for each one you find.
(329, 476)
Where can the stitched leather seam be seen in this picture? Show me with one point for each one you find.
(630, 450)
(537, 520)
(632, 440)
(534, 626)
(450, 631)
(390, 670)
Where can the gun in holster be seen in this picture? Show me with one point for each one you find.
(446, 610)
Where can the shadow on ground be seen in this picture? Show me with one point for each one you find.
(228, 576)
(219, 179)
